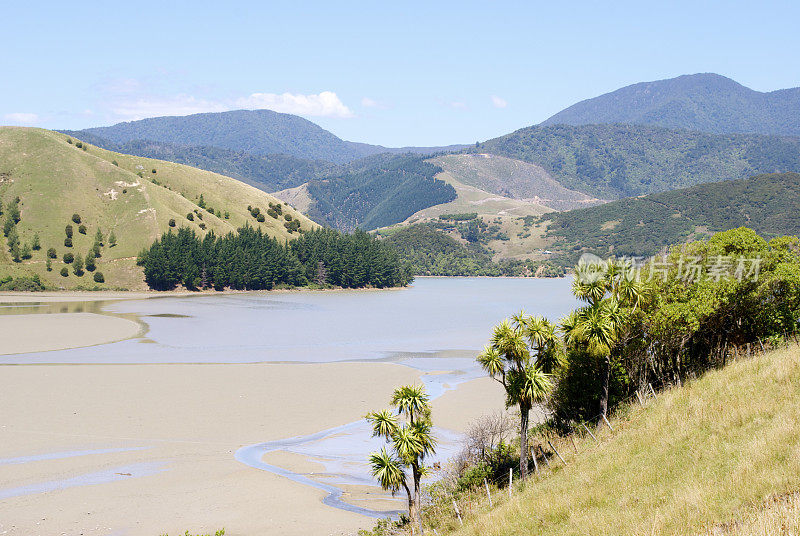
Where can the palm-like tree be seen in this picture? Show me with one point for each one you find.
(508, 360)
(409, 433)
(612, 292)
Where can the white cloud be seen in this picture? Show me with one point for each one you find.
(459, 105)
(21, 118)
(366, 102)
(498, 102)
(324, 104)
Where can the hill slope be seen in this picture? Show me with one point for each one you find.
(769, 204)
(55, 179)
(699, 457)
(257, 132)
(706, 102)
(614, 161)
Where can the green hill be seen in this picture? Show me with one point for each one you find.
(135, 198)
(768, 204)
(706, 102)
(615, 161)
(695, 461)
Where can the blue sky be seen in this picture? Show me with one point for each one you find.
(402, 73)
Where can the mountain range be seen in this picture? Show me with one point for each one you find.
(704, 102)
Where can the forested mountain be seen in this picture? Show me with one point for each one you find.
(615, 161)
(269, 172)
(256, 132)
(377, 191)
(768, 204)
(706, 102)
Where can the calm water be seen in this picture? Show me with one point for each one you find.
(445, 318)
(438, 324)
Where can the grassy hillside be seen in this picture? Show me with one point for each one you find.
(769, 204)
(707, 102)
(55, 179)
(615, 161)
(701, 458)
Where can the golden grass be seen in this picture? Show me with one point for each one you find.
(700, 457)
(780, 516)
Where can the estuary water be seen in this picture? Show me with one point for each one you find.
(437, 325)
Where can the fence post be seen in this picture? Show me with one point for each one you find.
(510, 480)
(608, 423)
(455, 506)
(544, 455)
(557, 454)
(650, 385)
(639, 396)
(572, 438)
(762, 344)
(532, 452)
(486, 483)
(590, 432)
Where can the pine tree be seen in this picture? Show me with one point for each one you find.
(37, 245)
(112, 239)
(98, 237)
(89, 262)
(77, 266)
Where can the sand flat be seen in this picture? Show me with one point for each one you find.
(44, 332)
(193, 418)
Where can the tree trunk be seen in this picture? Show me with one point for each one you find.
(416, 517)
(606, 380)
(524, 415)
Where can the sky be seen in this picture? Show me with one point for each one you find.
(395, 74)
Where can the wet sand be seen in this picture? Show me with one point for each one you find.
(187, 422)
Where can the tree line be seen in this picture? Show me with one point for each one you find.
(251, 260)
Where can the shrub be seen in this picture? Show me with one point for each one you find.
(201, 202)
(82, 229)
(26, 252)
(272, 213)
(15, 252)
(115, 163)
(68, 242)
(37, 244)
(89, 262)
(96, 250)
(68, 231)
(203, 226)
(68, 258)
(51, 253)
(154, 171)
(77, 266)
(79, 145)
(190, 217)
(98, 237)
(260, 218)
(69, 140)
(76, 218)
(227, 215)
(112, 240)
(49, 265)
(64, 272)
(84, 147)
(172, 222)
(287, 217)
(98, 277)
(27, 284)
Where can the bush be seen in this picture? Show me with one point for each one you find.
(90, 262)
(203, 226)
(82, 229)
(190, 217)
(115, 163)
(154, 171)
(172, 222)
(68, 258)
(26, 252)
(26, 284)
(260, 218)
(37, 244)
(51, 253)
(49, 265)
(69, 140)
(227, 215)
(77, 266)
(112, 240)
(68, 231)
(287, 217)
(68, 242)
(79, 145)
(98, 277)
(76, 218)
(64, 272)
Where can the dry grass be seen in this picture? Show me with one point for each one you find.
(702, 456)
(780, 516)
